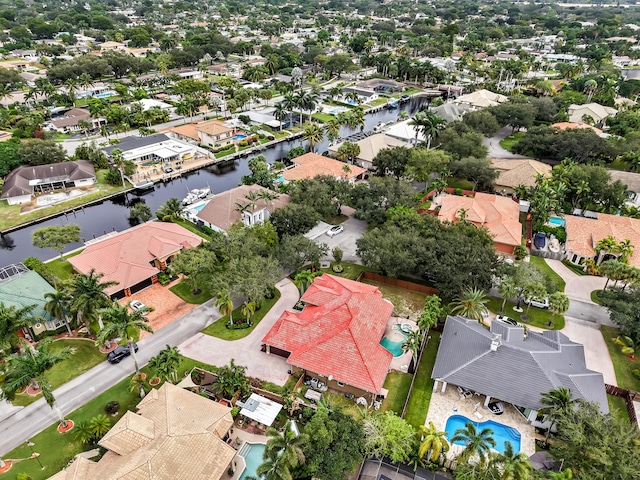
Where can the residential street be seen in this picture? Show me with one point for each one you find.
(30, 420)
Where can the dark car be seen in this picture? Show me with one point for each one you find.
(121, 353)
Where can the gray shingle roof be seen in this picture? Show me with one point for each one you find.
(129, 143)
(21, 180)
(520, 369)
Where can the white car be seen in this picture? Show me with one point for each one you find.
(137, 305)
(543, 303)
(335, 230)
(508, 320)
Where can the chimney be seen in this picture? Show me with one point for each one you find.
(495, 343)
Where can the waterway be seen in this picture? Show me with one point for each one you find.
(113, 214)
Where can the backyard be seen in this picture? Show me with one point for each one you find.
(406, 302)
(398, 384)
(423, 386)
(62, 268)
(56, 450)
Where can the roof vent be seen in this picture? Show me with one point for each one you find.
(495, 343)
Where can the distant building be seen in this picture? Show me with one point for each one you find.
(515, 172)
(311, 165)
(214, 133)
(370, 147)
(481, 99)
(157, 148)
(68, 121)
(598, 113)
(21, 183)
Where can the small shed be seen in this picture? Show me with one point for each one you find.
(260, 409)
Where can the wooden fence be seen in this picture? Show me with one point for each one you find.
(629, 396)
(396, 282)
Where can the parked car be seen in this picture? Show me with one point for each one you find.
(120, 353)
(137, 305)
(505, 319)
(540, 303)
(540, 240)
(335, 230)
(168, 170)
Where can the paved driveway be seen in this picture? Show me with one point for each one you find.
(595, 349)
(353, 230)
(246, 351)
(493, 144)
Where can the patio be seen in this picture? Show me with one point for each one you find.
(392, 333)
(443, 405)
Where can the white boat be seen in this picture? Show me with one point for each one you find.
(189, 199)
(204, 192)
(378, 128)
(196, 194)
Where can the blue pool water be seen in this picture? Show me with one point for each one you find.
(104, 95)
(252, 453)
(559, 221)
(501, 433)
(239, 136)
(197, 208)
(394, 347)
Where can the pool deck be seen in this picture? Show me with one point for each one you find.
(442, 407)
(239, 437)
(400, 363)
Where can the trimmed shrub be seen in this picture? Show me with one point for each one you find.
(112, 408)
(42, 269)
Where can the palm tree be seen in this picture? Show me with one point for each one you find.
(118, 160)
(224, 302)
(280, 113)
(289, 102)
(286, 446)
(88, 296)
(304, 279)
(533, 291)
(413, 342)
(13, 319)
(247, 309)
(470, 304)
(508, 289)
(313, 134)
(332, 129)
(273, 468)
(301, 101)
(137, 384)
(512, 465)
(556, 403)
(477, 443)
(30, 368)
(625, 249)
(558, 304)
(99, 425)
(268, 196)
(120, 323)
(166, 363)
(57, 306)
(72, 86)
(172, 209)
(432, 441)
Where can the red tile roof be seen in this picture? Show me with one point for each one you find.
(126, 257)
(499, 215)
(338, 333)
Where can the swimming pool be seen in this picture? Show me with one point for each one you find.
(501, 433)
(197, 208)
(557, 221)
(103, 95)
(252, 454)
(394, 347)
(238, 136)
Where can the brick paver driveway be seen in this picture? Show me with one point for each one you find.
(166, 304)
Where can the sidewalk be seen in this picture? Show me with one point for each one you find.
(246, 351)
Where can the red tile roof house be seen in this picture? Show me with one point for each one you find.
(499, 215)
(134, 257)
(336, 337)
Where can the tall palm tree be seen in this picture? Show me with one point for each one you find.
(314, 134)
(120, 322)
(508, 289)
(224, 302)
(247, 309)
(625, 249)
(512, 465)
(477, 443)
(88, 296)
(286, 446)
(301, 101)
(289, 102)
(268, 196)
(471, 304)
(558, 304)
(413, 342)
(172, 209)
(118, 160)
(280, 113)
(13, 319)
(57, 306)
(432, 441)
(332, 129)
(556, 403)
(30, 368)
(273, 468)
(71, 85)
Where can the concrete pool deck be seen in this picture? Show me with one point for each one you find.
(442, 407)
(400, 363)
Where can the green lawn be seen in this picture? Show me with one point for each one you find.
(351, 270)
(404, 301)
(219, 328)
(10, 214)
(508, 142)
(622, 364)
(62, 268)
(537, 316)
(323, 117)
(407, 91)
(398, 384)
(573, 267)
(192, 228)
(423, 385)
(183, 290)
(460, 183)
(618, 407)
(86, 356)
(56, 450)
(377, 102)
(595, 298)
(548, 272)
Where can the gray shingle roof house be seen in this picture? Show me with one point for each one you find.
(508, 365)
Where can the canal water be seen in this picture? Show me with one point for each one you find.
(113, 214)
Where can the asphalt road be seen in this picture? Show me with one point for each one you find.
(589, 312)
(27, 422)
